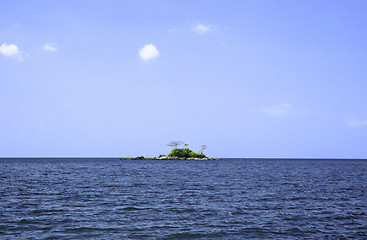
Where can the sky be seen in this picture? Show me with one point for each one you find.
(122, 78)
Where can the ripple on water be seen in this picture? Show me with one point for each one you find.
(109, 199)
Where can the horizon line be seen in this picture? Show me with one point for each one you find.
(221, 158)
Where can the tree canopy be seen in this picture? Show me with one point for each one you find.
(174, 144)
(185, 153)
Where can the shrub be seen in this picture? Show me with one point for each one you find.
(185, 153)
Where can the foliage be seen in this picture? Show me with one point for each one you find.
(202, 148)
(174, 144)
(185, 153)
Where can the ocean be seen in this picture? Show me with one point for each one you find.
(168, 199)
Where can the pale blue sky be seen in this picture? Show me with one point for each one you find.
(246, 78)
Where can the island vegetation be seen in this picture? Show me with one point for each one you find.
(177, 153)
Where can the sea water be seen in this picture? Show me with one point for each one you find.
(166, 199)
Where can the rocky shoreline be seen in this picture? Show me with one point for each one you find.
(169, 158)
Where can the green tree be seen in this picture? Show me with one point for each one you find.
(202, 148)
(185, 153)
(174, 144)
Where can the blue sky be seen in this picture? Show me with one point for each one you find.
(123, 78)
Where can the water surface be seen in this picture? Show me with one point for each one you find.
(233, 199)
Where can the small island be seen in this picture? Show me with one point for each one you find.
(177, 153)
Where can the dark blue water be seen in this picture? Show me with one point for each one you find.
(235, 199)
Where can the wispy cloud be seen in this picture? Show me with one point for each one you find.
(174, 30)
(200, 29)
(12, 50)
(49, 47)
(357, 123)
(278, 110)
(148, 52)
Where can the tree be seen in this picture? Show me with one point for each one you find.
(185, 153)
(174, 144)
(202, 148)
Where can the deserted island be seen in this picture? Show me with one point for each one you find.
(184, 153)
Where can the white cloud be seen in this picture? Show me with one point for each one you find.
(200, 28)
(279, 110)
(357, 123)
(9, 50)
(148, 52)
(48, 47)
(12, 50)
